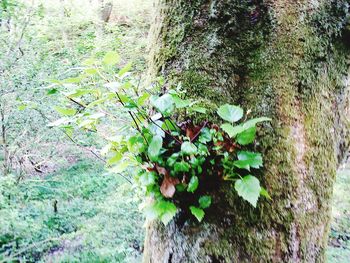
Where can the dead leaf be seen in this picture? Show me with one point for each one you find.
(168, 185)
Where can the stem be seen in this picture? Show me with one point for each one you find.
(132, 116)
(196, 135)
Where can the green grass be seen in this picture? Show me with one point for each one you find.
(97, 219)
(339, 243)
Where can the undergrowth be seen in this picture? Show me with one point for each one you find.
(80, 214)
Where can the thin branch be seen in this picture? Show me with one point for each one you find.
(196, 135)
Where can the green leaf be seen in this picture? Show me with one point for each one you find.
(65, 111)
(125, 69)
(172, 159)
(111, 58)
(169, 125)
(230, 113)
(242, 164)
(116, 158)
(205, 135)
(180, 103)
(264, 193)
(253, 159)
(232, 131)
(154, 147)
(168, 211)
(147, 178)
(247, 136)
(141, 100)
(188, 148)
(120, 167)
(193, 184)
(199, 109)
(204, 201)
(249, 189)
(165, 104)
(135, 144)
(251, 123)
(181, 167)
(52, 91)
(164, 210)
(197, 212)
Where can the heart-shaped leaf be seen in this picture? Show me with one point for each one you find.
(165, 104)
(230, 113)
(154, 147)
(204, 201)
(197, 212)
(193, 184)
(249, 189)
(253, 159)
(231, 130)
(246, 137)
(188, 148)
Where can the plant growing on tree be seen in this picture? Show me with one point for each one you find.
(178, 163)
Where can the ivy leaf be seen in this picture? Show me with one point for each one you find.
(188, 148)
(181, 167)
(204, 201)
(251, 123)
(264, 193)
(193, 184)
(197, 212)
(231, 130)
(154, 147)
(205, 135)
(199, 109)
(253, 159)
(147, 178)
(180, 103)
(247, 136)
(249, 189)
(164, 210)
(111, 58)
(165, 104)
(169, 212)
(172, 159)
(230, 113)
(241, 164)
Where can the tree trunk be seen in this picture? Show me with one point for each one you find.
(284, 59)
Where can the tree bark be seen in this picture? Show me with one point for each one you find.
(284, 59)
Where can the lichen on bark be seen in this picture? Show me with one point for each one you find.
(282, 59)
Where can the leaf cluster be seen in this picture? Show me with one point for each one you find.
(175, 163)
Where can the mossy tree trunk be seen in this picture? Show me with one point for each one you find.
(284, 59)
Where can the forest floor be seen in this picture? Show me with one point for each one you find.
(79, 212)
(339, 242)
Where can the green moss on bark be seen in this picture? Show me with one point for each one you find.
(280, 63)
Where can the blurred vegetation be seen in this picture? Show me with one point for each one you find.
(57, 202)
(339, 241)
(79, 214)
